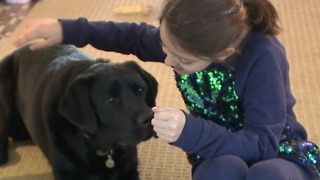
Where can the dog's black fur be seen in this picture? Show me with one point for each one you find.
(76, 109)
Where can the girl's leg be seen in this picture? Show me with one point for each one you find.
(279, 169)
(222, 167)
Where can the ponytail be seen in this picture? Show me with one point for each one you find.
(262, 16)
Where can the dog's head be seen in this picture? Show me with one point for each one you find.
(111, 104)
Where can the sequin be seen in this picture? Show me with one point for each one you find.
(302, 152)
(210, 94)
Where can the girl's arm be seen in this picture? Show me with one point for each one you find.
(142, 40)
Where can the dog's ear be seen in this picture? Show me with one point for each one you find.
(150, 81)
(75, 104)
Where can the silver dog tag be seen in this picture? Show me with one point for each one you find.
(110, 162)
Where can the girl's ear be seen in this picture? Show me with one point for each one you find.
(226, 53)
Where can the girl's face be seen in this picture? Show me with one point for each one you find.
(181, 61)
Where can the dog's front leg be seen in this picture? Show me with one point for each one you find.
(67, 175)
(6, 104)
(68, 170)
(134, 175)
(81, 175)
(3, 148)
(65, 169)
(4, 130)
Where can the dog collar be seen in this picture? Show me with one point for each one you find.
(109, 162)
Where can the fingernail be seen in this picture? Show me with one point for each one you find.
(32, 48)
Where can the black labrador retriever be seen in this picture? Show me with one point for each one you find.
(87, 116)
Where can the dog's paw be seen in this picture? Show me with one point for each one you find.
(3, 156)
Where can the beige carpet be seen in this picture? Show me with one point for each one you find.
(159, 161)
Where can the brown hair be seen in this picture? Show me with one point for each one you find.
(206, 27)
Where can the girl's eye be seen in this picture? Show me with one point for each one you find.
(184, 61)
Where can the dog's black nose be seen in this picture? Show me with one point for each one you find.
(145, 120)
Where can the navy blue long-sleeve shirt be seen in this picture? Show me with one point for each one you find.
(261, 76)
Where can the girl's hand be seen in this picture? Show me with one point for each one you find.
(168, 123)
(48, 31)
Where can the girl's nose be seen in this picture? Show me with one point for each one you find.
(170, 61)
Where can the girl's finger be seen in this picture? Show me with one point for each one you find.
(158, 123)
(161, 109)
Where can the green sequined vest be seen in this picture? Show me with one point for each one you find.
(210, 94)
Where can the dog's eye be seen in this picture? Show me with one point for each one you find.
(140, 91)
(110, 101)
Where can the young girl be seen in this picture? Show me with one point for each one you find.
(232, 73)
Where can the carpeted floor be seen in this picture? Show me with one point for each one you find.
(158, 160)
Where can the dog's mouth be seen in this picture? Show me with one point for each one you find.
(103, 152)
(106, 149)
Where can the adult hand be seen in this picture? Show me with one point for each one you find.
(168, 123)
(48, 32)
